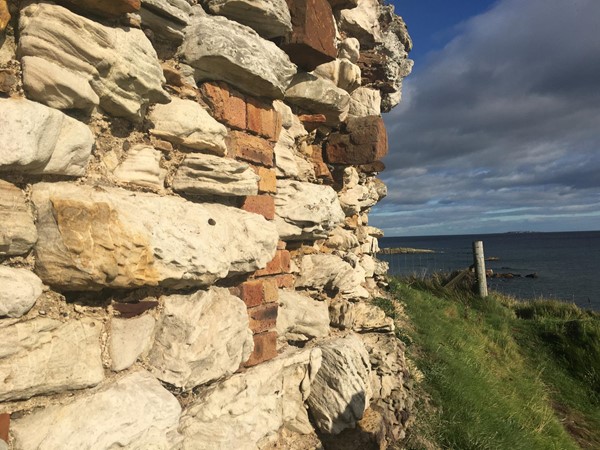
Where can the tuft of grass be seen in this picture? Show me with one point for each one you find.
(499, 373)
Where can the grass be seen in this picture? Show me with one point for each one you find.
(498, 373)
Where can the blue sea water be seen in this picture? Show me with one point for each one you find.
(567, 264)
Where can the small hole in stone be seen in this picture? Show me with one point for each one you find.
(212, 222)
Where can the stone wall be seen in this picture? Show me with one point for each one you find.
(185, 255)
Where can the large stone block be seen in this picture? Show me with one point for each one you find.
(221, 49)
(201, 174)
(45, 356)
(364, 141)
(135, 412)
(238, 412)
(201, 337)
(129, 338)
(319, 95)
(306, 211)
(312, 41)
(19, 289)
(120, 65)
(300, 317)
(269, 18)
(37, 139)
(185, 122)
(342, 390)
(90, 238)
(142, 168)
(17, 230)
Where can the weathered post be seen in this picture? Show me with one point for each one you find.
(479, 260)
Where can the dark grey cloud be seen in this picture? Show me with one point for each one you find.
(500, 130)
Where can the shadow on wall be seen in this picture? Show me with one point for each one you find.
(366, 435)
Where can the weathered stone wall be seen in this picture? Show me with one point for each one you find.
(185, 255)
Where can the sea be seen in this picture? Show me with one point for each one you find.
(566, 264)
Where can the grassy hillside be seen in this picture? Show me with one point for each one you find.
(499, 373)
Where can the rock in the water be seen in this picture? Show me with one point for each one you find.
(364, 141)
(135, 412)
(341, 391)
(331, 274)
(142, 168)
(201, 338)
(221, 49)
(19, 289)
(45, 356)
(312, 41)
(185, 122)
(129, 338)
(211, 175)
(343, 73)
(37, 139)
(90, 238)
(119, 64)
(17, 230)
(300, 318)
(104, 8)
(269, 18)
(320, 96)
(306, 211)
(240, 411)
(365, 101)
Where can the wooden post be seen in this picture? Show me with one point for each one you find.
(479, 260)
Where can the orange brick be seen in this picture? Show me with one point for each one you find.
(227, 105)
(267, 184)
(285, 281)
(281, 245)
(4, 426)
(262, 119)
(263, 318)
(251, 292)
(279, 264)
(265, 348)
(250, 148)
(260, 204)
(271, 290)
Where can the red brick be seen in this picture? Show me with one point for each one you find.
(128, 310)
(251, 292)
(267, 184)
(312, 121)
(363, 142)
(227, 105)
(285, 281)
(279, 264)
(265, 348)
(312, 41)
(263, 318)
(250, 148)
(4, 426)
(260, 204)
(262, 119)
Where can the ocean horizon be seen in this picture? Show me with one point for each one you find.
(562, 265)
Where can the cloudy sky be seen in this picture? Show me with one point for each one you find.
(499, 127)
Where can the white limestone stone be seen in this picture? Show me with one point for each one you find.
(134, 412)
(17, 230)
(124, 239)
(342, 239)
(240, 411)
(201, 174)
(300, 318)
(361, 317)
(306, 211)
(185, 122)
(221, 49)
(341, 391)
(37, 139)
(142, 168)
(44, 356)
(362, 22)
(349, 48)
(365, 101)
(129, 339)
(120, 64)
(19, 290)
(201, 337)
(342, 72)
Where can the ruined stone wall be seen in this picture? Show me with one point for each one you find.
(185, 255)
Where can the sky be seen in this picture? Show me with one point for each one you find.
(499, 125)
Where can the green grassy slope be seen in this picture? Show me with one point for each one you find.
(501, 374)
